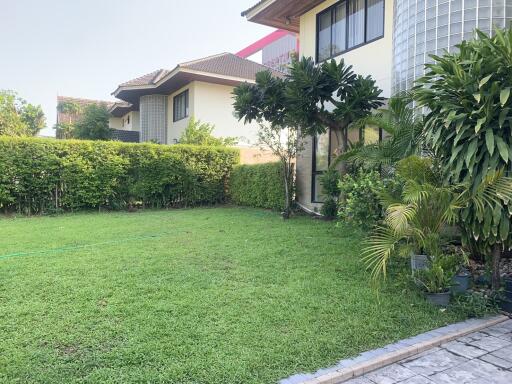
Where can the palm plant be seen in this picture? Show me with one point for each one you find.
(403, 129)
(417, 221)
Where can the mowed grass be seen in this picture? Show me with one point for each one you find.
(220, 295)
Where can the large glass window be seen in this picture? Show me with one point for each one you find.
(375, 29)
(180, 106)
(321, 160)
(348, 24)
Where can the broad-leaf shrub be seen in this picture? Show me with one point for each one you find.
(38, 175)
(361, 198)
(259, 185)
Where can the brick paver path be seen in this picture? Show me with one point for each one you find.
(483, 357)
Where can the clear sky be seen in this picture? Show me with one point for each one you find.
(85, 48)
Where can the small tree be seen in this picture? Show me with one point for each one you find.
(285, 143)
(265, 102)
(199, 133)
(469, 126)
(19, 118)
(93, 124)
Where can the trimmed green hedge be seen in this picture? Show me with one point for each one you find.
(259, 185)
(38, 175)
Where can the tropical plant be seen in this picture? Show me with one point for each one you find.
(437, 278)
(311, 99)
(469, 127)
(93, 123)
(403, 135)
(418, 220)
(199, 133)
(19, 118)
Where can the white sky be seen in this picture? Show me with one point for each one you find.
(85, 48)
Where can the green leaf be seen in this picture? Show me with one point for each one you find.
(484, 81)
(477, 97)
(502, 147)
(503, 116)
(504, 95)
(471, 151)
(489, 141)
(479, 123)
(504, 227)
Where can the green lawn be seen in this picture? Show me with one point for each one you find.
(220, 295)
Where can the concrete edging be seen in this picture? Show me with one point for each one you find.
(383, 360)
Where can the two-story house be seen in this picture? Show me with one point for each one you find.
(390, 40)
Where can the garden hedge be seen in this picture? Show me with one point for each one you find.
(44, 175)
(259, 185)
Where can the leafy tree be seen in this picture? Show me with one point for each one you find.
(469, 126)
(93, 124)
(311, 98)
(265, 102)
(19, 118)
(285, 143)
(199, 133)
(33, 117)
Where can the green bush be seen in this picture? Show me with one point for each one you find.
(38, 176)
(259, 185)
(361, 202)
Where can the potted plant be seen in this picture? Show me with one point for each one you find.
(436, 281)
(462, 278)
(461, 281)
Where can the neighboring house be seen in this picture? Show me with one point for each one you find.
(389, 40)
(275, 50)
(161, 103)
(70, 109)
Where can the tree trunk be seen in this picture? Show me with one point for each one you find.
(496, 257)
(286, 212)
(343, 149)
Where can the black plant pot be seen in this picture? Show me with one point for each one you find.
(439, 299)
(461, 283)
(508, 284)
(419, 262)
(505, 305)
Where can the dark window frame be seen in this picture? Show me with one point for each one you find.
(315, 173)
(331, 10)
(175, 116)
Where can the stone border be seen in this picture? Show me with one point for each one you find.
(378, 358)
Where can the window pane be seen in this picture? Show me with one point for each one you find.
(318, 195)
(322, 152)
(375, 27)
(324, 36)
(339, 30)
(355, 23)
(180, 106)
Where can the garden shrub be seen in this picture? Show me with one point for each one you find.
(330, 186)
(259, 185)
(361, 202)
(38, 176)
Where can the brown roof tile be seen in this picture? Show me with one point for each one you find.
(227, 64)
(148, 79)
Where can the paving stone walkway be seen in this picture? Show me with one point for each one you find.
(483, 357)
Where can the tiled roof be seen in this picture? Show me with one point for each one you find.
(148, 79)
(227, 64)
(253, 7)
(224, 64)
(83, 102)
